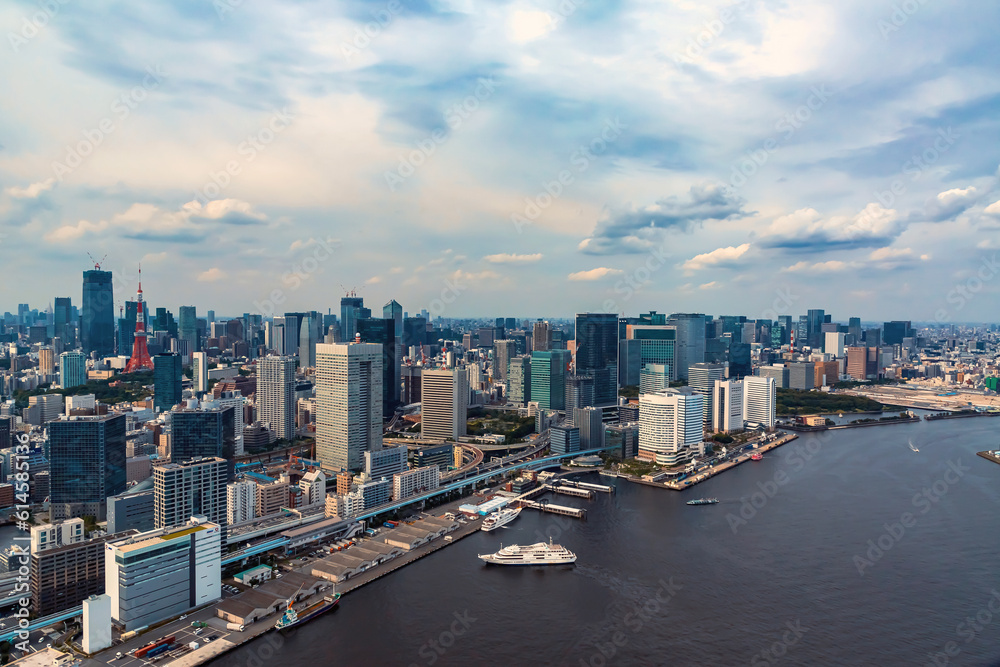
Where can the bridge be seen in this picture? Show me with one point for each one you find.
(38, 624)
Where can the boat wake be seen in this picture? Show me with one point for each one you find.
(912, 446)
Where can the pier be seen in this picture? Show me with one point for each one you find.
(584, 485)
(570, 491)
(574, 512)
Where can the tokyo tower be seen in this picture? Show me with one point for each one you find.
(140, 353)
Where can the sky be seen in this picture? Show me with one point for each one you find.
(514, 159)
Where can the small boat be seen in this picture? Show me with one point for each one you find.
(500, 518)
(703, 501)
(756, 456)
(913, 447)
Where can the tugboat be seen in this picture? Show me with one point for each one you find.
(703, 501)
(756, 456)
(291, 619)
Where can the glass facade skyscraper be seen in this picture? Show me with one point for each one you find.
(198, 433)
(548, 378)
(166, 381)
(657, 345)
(187, 328)
(383, 332)
(87, 463)
(597, 354)
(98, 314)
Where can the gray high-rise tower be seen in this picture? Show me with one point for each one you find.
(98, 314)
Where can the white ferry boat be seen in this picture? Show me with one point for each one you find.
(500, 518)
(535, 554)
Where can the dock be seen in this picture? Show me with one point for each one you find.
(989, 456)
(601, 488)
(570, 491)
(574, 512)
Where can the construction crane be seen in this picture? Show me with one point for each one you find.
(348, 292)
(97, 265)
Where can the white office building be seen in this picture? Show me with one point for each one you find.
(412, 482)
(385, 462)
(444, 399)
(833, 343)
(759, 397)
(654, 378)
(156, 575)
(276, 395)
(727, 406)
(241, 501)
(199, 371)
(702, 378)
(348, 403)
(670, 426)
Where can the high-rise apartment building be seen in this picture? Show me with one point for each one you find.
(87, 464)
(241, 501)
(670, 426)
(348, 403)
(759, 399)
(276, 395)
(597, 353)
(199, 372)
(444, 401)
(195, 487)
(98, 313)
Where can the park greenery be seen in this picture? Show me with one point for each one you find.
(500, 422)
(799, 402)
(118, 388)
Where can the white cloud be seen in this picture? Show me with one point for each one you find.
(890, 253)
(528, 25)
(211, 275)
(831, 266)
(718, 257)
(507, 258)
(595, 274)
(993, 209)
(374, 280)
(711, 285)
(31, 191)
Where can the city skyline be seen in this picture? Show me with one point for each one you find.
(738, 149)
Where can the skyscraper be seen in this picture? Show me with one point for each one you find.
(61, 317)
(657, 345)
(187, 327)
(444, 401)
(579, 394)
(72, 369)
(46, 361)
(393, 311)
(894, 332)
(199, 372)
(276, 395)
(87, 464)
(98, 314)
(727, 406)
(308, 339)
(348, 403)
(548, 378)
(759, 398)
(815, 318)
(690, 342)
(350, 311)
(629, 362)
(540, 336)
(167, 391)
(190, 488)
(519, 380)
(203, 431)
(670, 426)
(382, 332)
(503, 351)
(597, 353)
(701, 378)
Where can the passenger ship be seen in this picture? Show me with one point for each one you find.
(500, 518)
(534, 554)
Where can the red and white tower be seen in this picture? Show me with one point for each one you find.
(140, 353)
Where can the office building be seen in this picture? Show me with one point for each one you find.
(62, 320)
(814, 328)
(629, 362)
(702, 378)
(163, 573)
(414, 332)
(503, 351)
(412, 482)
(548, 378)
(63, 575)
(187, 328)
(690, 342)
(622, 440)
(393, 311)
(50, 406)
(541, 335)
(657, 345)
(759, 399)
(777, 372)
(564, 439)
(72, 369)
(205, 430)
(862, 363)
(98, 313)
(271, 496)
(132, 510)
(597, 353)
(894, 332)
(385, 462)
(801, 375)
(834, 343)
(579, 393)
(199, 372)
(410, 392)
(382, 332)
(670, 426)
(50, 536)
(654, 378)
(519, 380)
(46, 361)
(727, 406)
(87, 464)
(241, 501)
(444, 401)
(276, 395)
(351, 310)
(437, 455)
(591, 426)
(348, 403)
(307, 339)
(827, 373)
(167, 371)
(196, 487)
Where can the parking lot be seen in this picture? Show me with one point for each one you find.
(181, 629)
